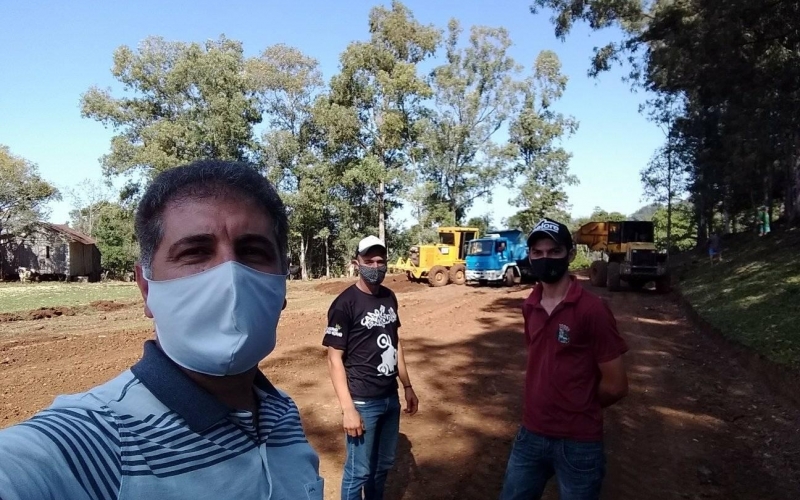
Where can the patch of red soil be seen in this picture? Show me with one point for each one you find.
(107, 305)
(41, 313)
(53, 312)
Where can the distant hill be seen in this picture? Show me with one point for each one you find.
(646, 212)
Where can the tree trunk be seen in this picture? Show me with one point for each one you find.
(792, 201)
(382, 212)
(327, 260)
(669, 226)
(303, 268)
(669, 200)
(726, 221)
(702, 224)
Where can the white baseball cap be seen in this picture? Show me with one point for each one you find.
(369, 242)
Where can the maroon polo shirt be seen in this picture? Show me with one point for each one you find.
(562, 376)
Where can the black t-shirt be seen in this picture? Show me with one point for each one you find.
(364, 326)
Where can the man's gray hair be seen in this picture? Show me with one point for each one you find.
(202, 179)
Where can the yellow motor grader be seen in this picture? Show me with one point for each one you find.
(440, 263)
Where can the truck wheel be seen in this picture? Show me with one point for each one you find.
(509, 277)
(458, 274)
(613, 277)
(664, 285)
(598, 273)
(437, 276)
(637, 284)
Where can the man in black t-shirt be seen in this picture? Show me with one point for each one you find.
(365, 358)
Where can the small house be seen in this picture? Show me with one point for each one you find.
(55, 251)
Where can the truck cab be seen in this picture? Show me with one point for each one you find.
(496, 257)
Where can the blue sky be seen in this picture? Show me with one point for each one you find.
(52, 52)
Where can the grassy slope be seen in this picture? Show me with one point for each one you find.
(753, 296)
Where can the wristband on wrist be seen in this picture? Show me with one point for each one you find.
(407, 386)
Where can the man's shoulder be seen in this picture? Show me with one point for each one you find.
(387, 292)
(97, 398)
(65, 448)
(589, 301)
(347, 295)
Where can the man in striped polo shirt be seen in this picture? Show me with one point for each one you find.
(194, 418)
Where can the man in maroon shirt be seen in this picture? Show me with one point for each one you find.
(574, 370)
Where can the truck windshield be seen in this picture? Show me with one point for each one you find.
(480, 248)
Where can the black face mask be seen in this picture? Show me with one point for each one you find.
(372, 275)
(550, 270)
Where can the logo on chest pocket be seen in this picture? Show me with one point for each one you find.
(563, 334)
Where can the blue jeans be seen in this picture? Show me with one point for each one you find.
(371, 456)
(579, 468)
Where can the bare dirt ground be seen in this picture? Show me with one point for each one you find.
(696, 424)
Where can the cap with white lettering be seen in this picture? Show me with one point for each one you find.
(555, 230)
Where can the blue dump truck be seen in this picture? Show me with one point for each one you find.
(499, 257)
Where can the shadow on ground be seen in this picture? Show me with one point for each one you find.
(694, 425)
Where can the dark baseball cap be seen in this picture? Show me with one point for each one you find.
(554, 230)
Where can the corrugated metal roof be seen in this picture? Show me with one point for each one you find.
(70, 233)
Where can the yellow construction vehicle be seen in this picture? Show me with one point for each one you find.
(627, 254)
(440, 263)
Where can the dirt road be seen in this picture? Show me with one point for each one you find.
(696, 424)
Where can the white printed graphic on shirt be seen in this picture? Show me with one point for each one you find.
(335, 331)
(388, 356)
(379, 317)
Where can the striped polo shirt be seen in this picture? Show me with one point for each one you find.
(153, 434)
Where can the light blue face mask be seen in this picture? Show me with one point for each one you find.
(221, 321)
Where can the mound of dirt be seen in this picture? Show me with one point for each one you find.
(333, 287)
(107, 305)
(52, 312)
(41, 313)
(398, 283)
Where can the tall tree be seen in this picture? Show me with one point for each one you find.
(375, 101)
(483, 223)
(288, 83)
(474, 94)
(24, 196)
(737, 65)
(683, 230)
(86, 198)
(664, 180)
(113, 230)
(543, 166)
(186, 101)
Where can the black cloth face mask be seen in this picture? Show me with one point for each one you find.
(550, 270)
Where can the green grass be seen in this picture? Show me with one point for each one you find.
(753, 296)
(26, 296)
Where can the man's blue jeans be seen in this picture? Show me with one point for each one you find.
(371, 456)
(579, 468)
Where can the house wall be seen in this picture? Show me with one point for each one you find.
(44, 252)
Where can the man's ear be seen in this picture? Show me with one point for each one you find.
(143, 287)
(572, 254)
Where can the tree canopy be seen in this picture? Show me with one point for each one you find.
(725, 77)
(413, 115)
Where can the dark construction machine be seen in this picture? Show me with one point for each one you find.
(628, 253)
